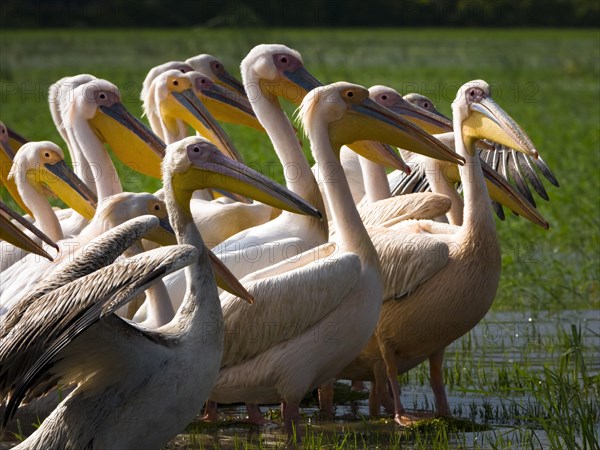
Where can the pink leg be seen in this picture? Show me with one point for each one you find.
(326, 401)
(436, 366)
(254, 414)
(380, 392)
(211, 412)
(400, 415)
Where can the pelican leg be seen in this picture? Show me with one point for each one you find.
(400, 416)
(374, 401)
(291, 420)
(254, 415)
(436, 372)
(381, 391)
(211, 412)
(326, 401)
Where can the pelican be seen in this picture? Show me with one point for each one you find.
(150, 377)
(440, 177)
(420, 321)
(95, 115)
(40, 170)
(39, 167)
(12, 235)
(323, 303)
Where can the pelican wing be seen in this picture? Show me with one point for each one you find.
(31, 347)
(407, 259)
(287, 302)
(410, 206)
(99, 252)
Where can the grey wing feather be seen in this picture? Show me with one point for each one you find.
(517, 176)
(531, 175)
(401, 183)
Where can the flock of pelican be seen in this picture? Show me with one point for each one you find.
(129, 303)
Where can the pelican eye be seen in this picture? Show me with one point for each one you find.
(102, 96)
(384, 97)
(196, 149)
(284, 60)
(156, 207)
(350, 94)
(425, 105)
(47, 155)
(3, 130)
(175, 83)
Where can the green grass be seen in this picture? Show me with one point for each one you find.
(548, 80)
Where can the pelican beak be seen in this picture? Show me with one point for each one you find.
(229, 106)
(15, 140)
(7, 156)
(304, 80)
(431, 122)
(68, 187)
(211, 169)
(132, 142)
(488, 121)
(187, 107)
(369, 120)
(163, 234)
(501, 191)
(228, 81)
(226, 280)
(14, 235)
(381, 154)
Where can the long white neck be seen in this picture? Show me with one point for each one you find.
(376, 182)
(40, 208)
(96, 165)
(477, 215)
(350, 231)
(298, 175)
